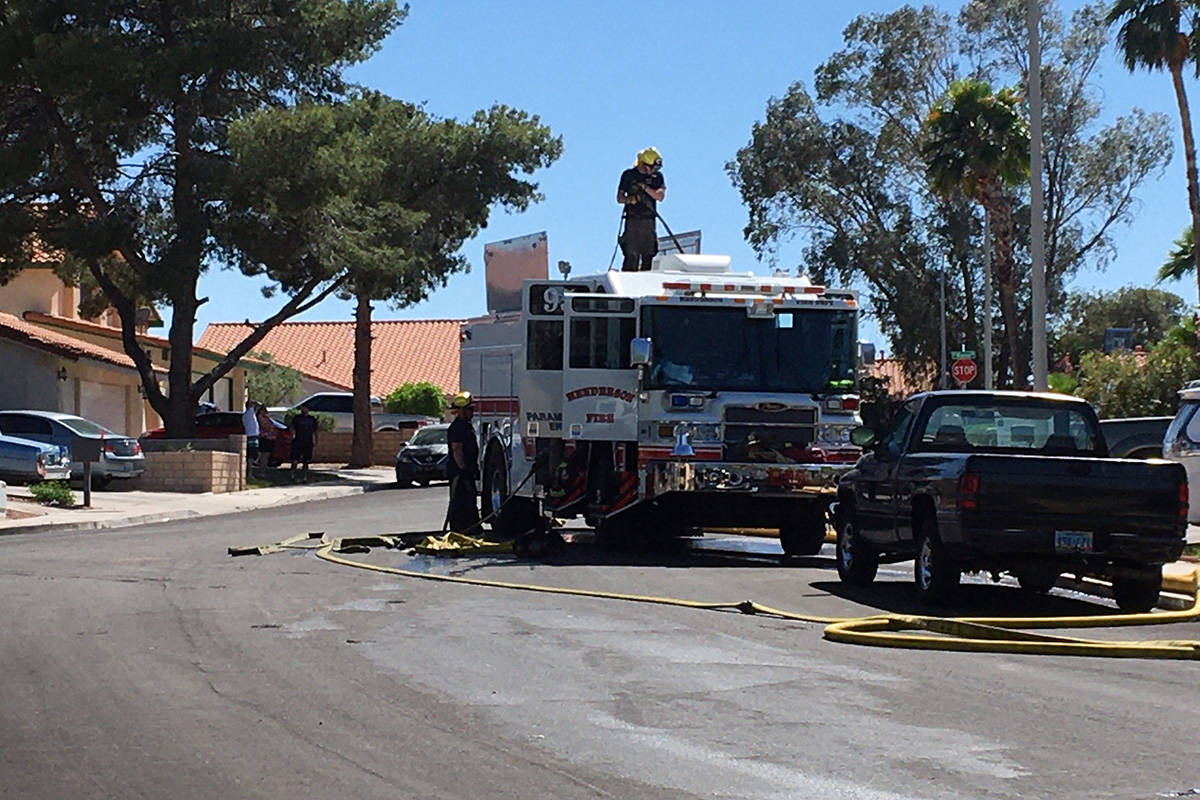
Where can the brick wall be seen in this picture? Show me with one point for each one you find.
(333, 447)
(193, 471)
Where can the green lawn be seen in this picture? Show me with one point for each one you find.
(1191, 550)
(264, 478)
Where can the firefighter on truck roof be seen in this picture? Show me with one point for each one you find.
(640, 189)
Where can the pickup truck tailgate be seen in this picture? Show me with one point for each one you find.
(1100, 494)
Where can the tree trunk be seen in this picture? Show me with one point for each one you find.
(360, 447)
(1189, 154)
(179, 418)
(1000, 217)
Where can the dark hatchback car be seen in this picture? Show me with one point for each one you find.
(424, 458)
(219, 424)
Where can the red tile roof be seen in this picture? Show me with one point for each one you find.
(84, 326)
(898, 384)
(402, 351)
(16, 329)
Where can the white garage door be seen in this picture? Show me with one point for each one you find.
(103, 403)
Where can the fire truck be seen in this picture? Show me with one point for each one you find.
(656, 403)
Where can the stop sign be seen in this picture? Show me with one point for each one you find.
(963, 370)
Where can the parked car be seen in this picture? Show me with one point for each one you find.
(220, 424)
(1181, 443)
(28, 461)
(340, 406)
(424, 457)
(1135, 437)
(966, 481)
(121, 457)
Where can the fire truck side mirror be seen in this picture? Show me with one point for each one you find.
(639, 352)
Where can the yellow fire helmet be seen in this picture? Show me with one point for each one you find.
(650, 157)
(462, 400)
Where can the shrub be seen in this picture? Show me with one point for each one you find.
(1119, 386)
(416, 398)
(325, 422)
(53, 493)
(273, 384)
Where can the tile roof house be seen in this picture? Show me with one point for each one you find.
(402, 351)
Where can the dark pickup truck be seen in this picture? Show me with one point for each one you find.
(968, 481)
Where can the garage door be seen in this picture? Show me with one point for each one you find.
(103, 403)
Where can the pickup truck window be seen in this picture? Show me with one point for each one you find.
(892, 438)
(1007, 428)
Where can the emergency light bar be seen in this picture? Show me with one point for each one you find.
(740, 288)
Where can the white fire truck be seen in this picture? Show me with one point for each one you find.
(653, 403)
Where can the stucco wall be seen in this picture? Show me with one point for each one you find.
(33, 381)
(40, 388)
(38, 290)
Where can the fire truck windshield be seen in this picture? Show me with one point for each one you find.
(722, 348)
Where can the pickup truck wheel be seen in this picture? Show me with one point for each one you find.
(1137, 595)
(935, 574)
(1038, 580)
(804, 535)
(857, 563)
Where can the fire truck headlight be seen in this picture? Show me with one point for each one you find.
(834, 434)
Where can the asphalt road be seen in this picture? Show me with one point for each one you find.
(146, 662)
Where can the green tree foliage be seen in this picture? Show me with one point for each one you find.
(1128, 385)
(1158, 34)
(1181, 258)
(416, 398)
(273, 384)
(836, 176)
(387, 193)
(976, 142)
(1151, 313)
(115, 151)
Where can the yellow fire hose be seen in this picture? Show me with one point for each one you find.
(965, 634)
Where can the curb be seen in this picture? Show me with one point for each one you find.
(181, 514)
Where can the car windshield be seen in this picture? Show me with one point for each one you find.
(85, 427)
(427, 436)
(802, 350)
(1017, 427)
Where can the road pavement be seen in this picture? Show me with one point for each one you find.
(146, 662)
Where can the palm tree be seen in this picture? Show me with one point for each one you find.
(1181, 259)
(976, 141)
(1150, 36)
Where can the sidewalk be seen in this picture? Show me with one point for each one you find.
(117, 508)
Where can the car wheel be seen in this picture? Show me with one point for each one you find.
(1038, 580)
(857, 562)
(1137, 595)
(936, 576)
(805, 535)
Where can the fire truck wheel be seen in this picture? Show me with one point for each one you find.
(804, 535)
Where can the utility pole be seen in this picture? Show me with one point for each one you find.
(989, 378)
(942, 281)
(1037, 222)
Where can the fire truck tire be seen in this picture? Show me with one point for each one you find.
(804, 535)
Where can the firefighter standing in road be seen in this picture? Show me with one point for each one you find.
(463, 512)
(640, 189)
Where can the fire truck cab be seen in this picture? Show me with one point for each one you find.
(654, 403)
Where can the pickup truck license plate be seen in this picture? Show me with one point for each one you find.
(1072, 541)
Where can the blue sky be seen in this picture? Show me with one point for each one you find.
(689, 78)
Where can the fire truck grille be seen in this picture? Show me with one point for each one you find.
(758, 434)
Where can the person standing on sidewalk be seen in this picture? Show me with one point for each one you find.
(266, 437)
(462, 513)
(250, 427)
(304, 439)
